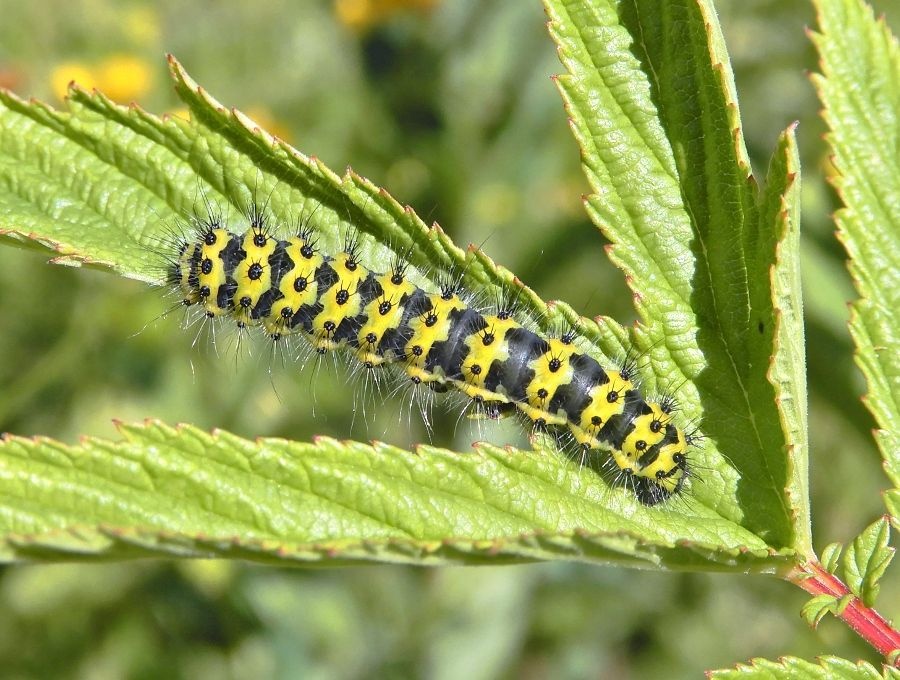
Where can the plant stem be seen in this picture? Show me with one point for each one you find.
(868, 623)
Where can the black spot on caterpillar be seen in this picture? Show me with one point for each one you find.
(290, 287)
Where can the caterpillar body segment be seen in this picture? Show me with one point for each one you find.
(289, 287)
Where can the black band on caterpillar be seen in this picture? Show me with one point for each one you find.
(290, 287)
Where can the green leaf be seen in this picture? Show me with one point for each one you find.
(779, 231)
(103, 185)
(860, 62)
(815, 609)
(830, 557)
(790, 668)
(713, 261)
(866, 560)
(892, 502)
(182, 492)
(842, 604)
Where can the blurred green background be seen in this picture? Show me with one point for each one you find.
(448, 104)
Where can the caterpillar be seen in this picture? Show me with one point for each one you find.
(290, 287)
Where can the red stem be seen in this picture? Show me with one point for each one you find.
(868, 623)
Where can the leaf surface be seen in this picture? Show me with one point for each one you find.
(712, 260)
(183, 492)
(792, 668)
(860, 62)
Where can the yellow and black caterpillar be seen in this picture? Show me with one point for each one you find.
(290, 287)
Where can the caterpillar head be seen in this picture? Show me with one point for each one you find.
(662, 471)
(653, 455)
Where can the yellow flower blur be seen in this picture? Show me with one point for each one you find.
(70, 71)
(362, 14)
(121, 77)
(124, 78)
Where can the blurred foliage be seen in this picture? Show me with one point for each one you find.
(469, 130)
